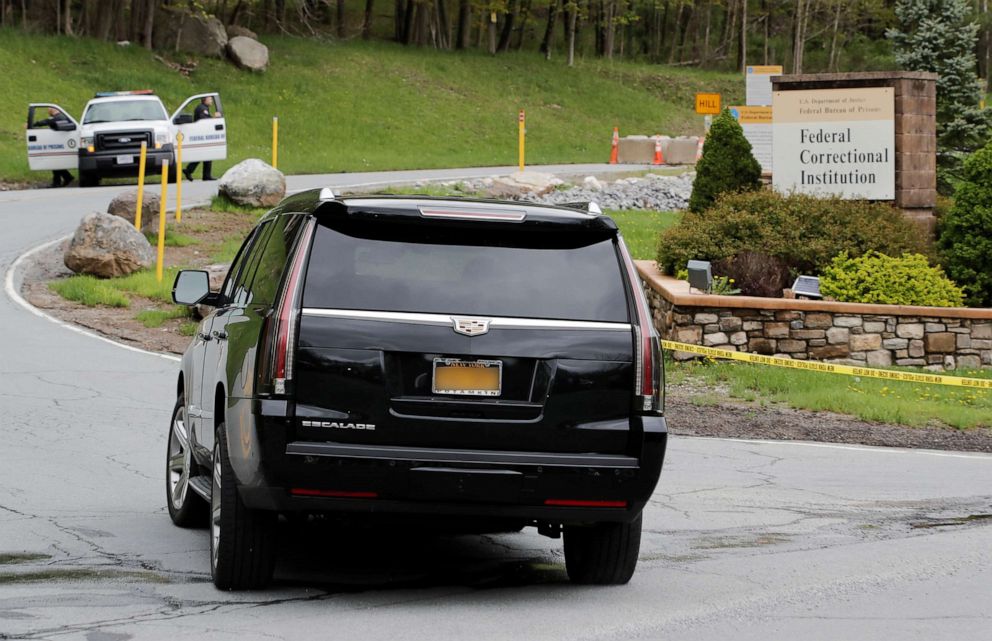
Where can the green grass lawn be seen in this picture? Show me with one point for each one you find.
(353, 106)
(866, 398)
(155, 317)
(640, 229)
(173, 238)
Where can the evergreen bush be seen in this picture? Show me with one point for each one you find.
(805, 232)
(965, 232)
(940, 36)
(877, 278)
(726, 165)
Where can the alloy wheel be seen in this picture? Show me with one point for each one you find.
(180, 460)
(215, 508)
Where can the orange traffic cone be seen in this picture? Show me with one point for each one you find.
(615, 151)
(699, 148)
(659, 157)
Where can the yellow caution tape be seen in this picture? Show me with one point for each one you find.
(829, 368)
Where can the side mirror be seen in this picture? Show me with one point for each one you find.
(192, 286)
(182, 119)
(65, 125)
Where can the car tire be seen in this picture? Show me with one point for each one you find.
(88, 179)
(186, 507)
(602, 554)
(242, 541)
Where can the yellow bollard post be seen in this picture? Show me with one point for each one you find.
(141, 185)
(275, 142)
(522, 134)
(161, 220)
(179, 178)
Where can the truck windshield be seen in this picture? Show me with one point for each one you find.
(119, 110)
(492, 274)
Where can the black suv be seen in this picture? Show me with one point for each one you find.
(485, 362)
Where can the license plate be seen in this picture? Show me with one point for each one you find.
(125, 160)
(468, 378)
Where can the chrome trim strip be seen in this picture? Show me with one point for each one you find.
(445, 320)
(430, 455)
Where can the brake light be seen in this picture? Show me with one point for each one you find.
(647, 359)
(337, 494)
(507, 215)
(283, 332)
(583, 503)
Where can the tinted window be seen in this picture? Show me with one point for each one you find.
(272, 262)
(559, 275)
(236, 287)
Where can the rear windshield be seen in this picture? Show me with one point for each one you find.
(555, 276)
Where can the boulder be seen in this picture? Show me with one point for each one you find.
(233, 31)
(591, 182)
(125, 205)
(253, 183)
(105, 245)
(248, 54)
(178, 30)
(524, 183)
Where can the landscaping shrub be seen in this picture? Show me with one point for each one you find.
(965, 232)
(877, 278)
(727, 164)
(804, 232)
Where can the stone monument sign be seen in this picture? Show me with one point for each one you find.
(866, 135)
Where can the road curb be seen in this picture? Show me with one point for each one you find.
(14, 294)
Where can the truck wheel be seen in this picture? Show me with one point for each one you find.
(602, 554)
(88, 179)
(242, 546)
(186, 507)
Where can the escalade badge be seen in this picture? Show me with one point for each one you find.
(470, 326)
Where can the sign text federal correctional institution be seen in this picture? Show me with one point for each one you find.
(835, 142)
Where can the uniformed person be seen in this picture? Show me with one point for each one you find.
(202, 111)
(60, 177)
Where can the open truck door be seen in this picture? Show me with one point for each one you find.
(53, 141)
(204, 138)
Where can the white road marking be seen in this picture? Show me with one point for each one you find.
(978, 456)
(15, 296)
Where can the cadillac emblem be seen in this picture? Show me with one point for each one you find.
(470, 326)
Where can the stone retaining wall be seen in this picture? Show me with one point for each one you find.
(873, 335)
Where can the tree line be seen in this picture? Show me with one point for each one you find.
(801, 35)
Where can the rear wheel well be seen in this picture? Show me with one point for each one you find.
(181, 386)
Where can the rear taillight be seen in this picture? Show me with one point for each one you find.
(281, 337)
(584, 503)
(647, 357)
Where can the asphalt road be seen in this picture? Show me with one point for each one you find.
(743, 540)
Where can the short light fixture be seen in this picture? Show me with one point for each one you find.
(700, 275)
(807, 287)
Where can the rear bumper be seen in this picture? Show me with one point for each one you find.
(105, 163)
(534, 486)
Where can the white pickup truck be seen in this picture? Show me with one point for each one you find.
(106, 141)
